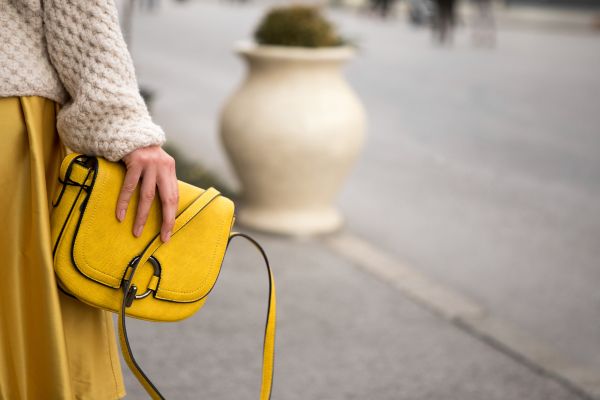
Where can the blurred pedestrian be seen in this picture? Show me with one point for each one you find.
(67, 79)
(445, 20)
(381, 7)
(421, 12)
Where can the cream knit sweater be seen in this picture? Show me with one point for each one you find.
(73, 52)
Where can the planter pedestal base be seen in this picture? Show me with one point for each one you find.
(290, 222)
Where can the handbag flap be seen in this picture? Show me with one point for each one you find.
(103, 247)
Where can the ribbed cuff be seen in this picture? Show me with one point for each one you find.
(132, 138)
(114, 141)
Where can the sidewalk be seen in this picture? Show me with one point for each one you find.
(478, 279)
(342, 334)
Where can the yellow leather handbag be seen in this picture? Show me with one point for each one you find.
(99, 261)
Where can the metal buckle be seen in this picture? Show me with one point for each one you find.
(132, 263)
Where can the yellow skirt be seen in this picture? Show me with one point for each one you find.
(51, 345)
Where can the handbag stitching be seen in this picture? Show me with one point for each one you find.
(209, 290)
(68, 221)
(91, 220)
(76, 234)
(212, 263)
(67, 218)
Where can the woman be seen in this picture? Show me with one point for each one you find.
(66, 79)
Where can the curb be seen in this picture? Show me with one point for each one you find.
(468, 316)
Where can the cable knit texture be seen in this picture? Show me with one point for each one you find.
(73, 52)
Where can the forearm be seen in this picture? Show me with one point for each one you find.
(106, 115)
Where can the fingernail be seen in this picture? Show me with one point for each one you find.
(167, 237)
(121, 215)
(137, 231)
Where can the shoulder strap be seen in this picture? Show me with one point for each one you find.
(269, 339)
(130, 291)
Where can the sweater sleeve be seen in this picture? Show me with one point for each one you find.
(105, 115)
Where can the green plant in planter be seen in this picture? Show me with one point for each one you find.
(297, 25)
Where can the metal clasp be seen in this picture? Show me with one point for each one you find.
(132, 293)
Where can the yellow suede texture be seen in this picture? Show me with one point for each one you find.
(94, 249)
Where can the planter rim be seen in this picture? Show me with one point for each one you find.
(332, 53)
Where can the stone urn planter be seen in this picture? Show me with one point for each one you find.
(292, 131)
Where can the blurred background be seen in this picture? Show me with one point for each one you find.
(427, 188)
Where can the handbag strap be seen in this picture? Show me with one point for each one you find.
(130, 292)
(269, 337)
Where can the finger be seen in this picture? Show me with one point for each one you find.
(130, 182)
(147, 193)
(176, 190)
(169, 201)
(175, 185)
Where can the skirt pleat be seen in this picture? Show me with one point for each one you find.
(52, 346)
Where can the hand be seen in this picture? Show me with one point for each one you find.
(155, 168)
